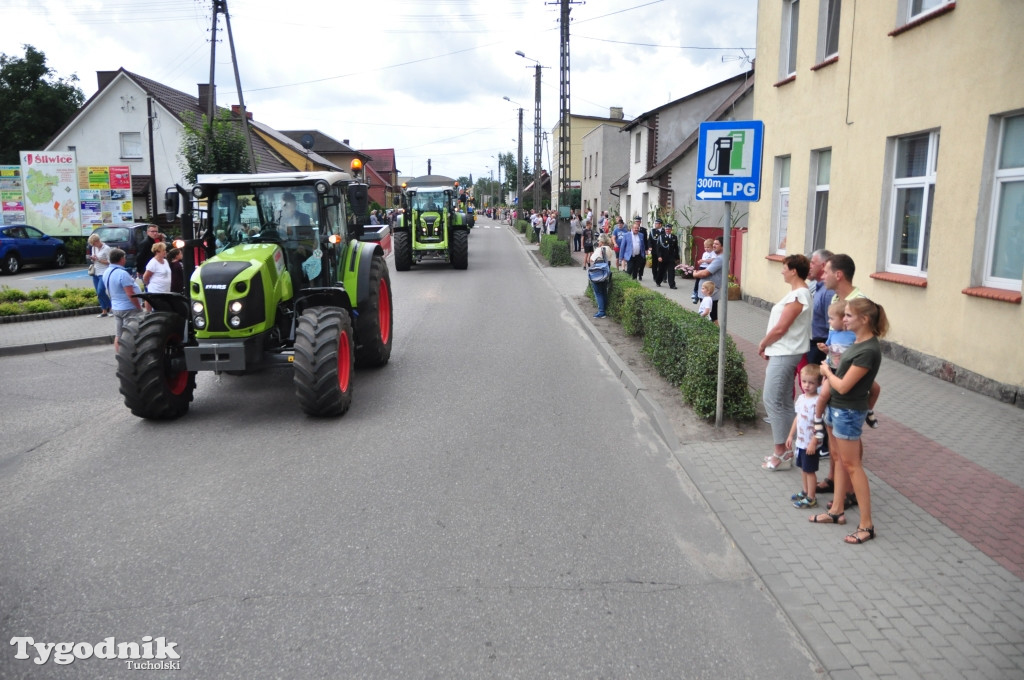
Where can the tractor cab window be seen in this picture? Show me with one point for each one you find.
(429, 201)
(234, 218)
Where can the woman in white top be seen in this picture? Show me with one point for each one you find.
(158, 273)
(98, 255)
(789, 333)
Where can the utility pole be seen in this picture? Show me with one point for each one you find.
(221, 6)
(564, 131)
(536, 140)
(519, 167)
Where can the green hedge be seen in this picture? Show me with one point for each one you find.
(682, 347)
(555, 251)
(522, 226)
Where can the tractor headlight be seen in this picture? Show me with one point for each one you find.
(235, 307)
(199, 322)
(235, 321)
(197, 307)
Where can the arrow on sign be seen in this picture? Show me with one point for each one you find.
(705, 195)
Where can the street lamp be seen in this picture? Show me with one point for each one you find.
(536, 130)
(519, 159)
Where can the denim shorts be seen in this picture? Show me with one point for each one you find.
(846, 423)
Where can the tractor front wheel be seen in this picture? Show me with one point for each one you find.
(402, 244)
(324, 361)
(151, 366)
(460, 249)
(375, 317)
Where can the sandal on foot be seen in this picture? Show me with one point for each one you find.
(830, 518)
(854, 538)
(778, 463)
(826, 485)
(872, 422)
(819, 429)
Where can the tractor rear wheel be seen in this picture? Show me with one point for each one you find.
(324, 361)
(460, 249)
(151, 366)
(373, 335)
(402, 243)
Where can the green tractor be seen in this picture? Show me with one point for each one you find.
(429, 226)
(285, 271)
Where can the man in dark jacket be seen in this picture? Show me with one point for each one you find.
(667, 255)
(145, 254)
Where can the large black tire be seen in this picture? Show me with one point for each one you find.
(460, 249)
(324, 361)
(402, 243)
(150, 346)
(373, 326)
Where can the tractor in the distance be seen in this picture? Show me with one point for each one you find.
(429, 225)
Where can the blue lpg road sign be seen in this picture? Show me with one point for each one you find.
(729, 160)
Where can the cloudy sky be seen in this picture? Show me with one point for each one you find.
(425, 77)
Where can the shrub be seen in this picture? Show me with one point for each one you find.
(12, 294)
(558, 253)
(682, 346)
(39, 294)
(522, 226)
(74, 246)
(62, 293)
(9, 309)
(38, 306)
(700, 384)
(75, 302)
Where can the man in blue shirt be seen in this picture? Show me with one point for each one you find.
(633, 249)
(122, 290)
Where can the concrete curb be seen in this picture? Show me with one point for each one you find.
(18, 350)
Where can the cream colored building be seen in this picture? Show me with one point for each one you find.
(579, 127)
(894, 132)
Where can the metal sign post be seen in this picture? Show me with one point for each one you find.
(728, 169)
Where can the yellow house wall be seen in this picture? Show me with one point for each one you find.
(951, 74)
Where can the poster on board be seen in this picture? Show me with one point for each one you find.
(51, 192)
(105, 193)
(12, 195)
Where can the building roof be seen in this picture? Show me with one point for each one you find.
(324, 143)
(381, 160)
(742, 77)
(742, 90)
(177, 103)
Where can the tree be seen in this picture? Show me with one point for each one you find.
(34, 103)
(212, 149)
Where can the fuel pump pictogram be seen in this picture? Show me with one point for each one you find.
(727, 153)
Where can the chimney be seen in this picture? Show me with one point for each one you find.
(205, 92)
(345, 142)
(236, 111)
(103, 78)
(615, 113)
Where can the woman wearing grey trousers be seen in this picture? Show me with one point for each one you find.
(789, 332)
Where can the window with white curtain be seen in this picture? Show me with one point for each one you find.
(911, 200)
(1004, 251)
(131, 145)
(781, 213)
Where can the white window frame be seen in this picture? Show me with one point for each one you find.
(131, 145)
(818, 218)
(829, 15)
(790, 35)
(926, 182)
(911, 10)
(1001, 177)
(780, 214)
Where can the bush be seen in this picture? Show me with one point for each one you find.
(700, 384)
(74, 302)
(522, 226)
(10, 309)
(62, 293)
(12, 294)
(74, 246)
(39, 294)
(682, 347)
(555, 250)
(38, 306)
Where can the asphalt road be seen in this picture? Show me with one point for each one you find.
(493, 505)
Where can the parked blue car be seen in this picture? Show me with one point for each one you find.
(21, 244)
